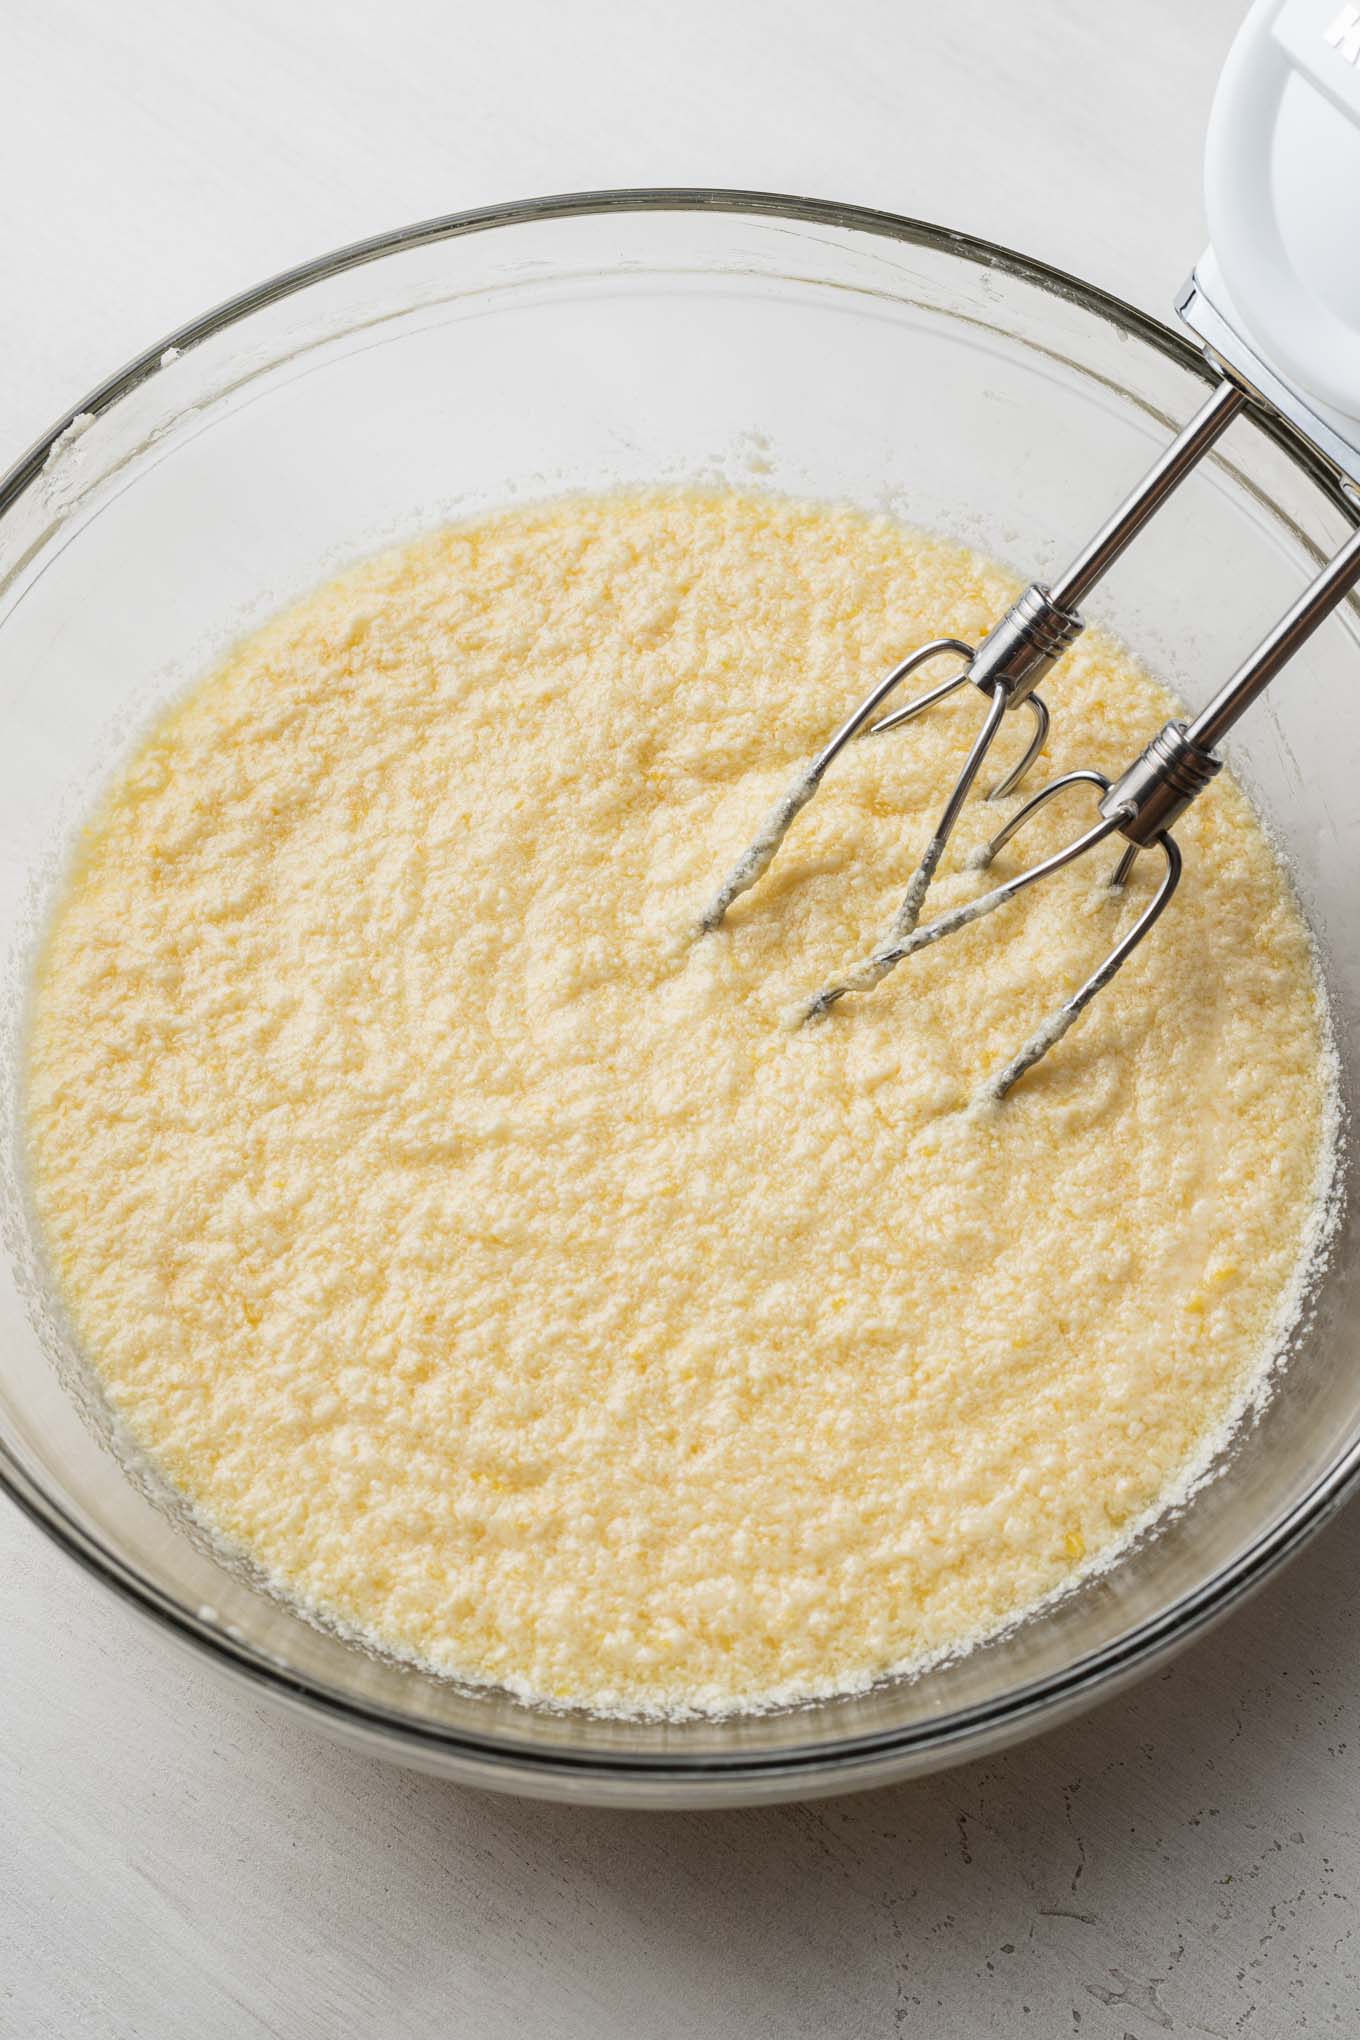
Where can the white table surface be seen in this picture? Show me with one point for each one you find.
(174, 1859)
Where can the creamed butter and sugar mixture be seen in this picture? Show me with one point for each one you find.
(487, 1258)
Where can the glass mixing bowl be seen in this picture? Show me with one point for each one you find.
(619, 338)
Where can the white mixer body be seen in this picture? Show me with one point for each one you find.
(1277, 294)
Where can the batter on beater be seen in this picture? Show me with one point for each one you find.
(478, 1252)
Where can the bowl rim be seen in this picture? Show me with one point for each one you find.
(856, 1760)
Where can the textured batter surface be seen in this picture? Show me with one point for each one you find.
(492, 1264)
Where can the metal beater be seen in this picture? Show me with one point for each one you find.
(1278, 342)
(1142, 806)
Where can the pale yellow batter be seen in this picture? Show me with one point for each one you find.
(488, 1261)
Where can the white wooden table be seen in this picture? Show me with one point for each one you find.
(176, 1861)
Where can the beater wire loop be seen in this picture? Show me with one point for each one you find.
(1008, 782)
(760, 854)
(873, 969)
(1054, 1028)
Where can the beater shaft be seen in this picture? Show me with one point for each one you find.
(1275, 651)
(1184, 453)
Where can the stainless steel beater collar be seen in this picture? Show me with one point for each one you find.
(1022, 649)
(1159, 786)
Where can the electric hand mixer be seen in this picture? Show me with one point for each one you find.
(1275, 301)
